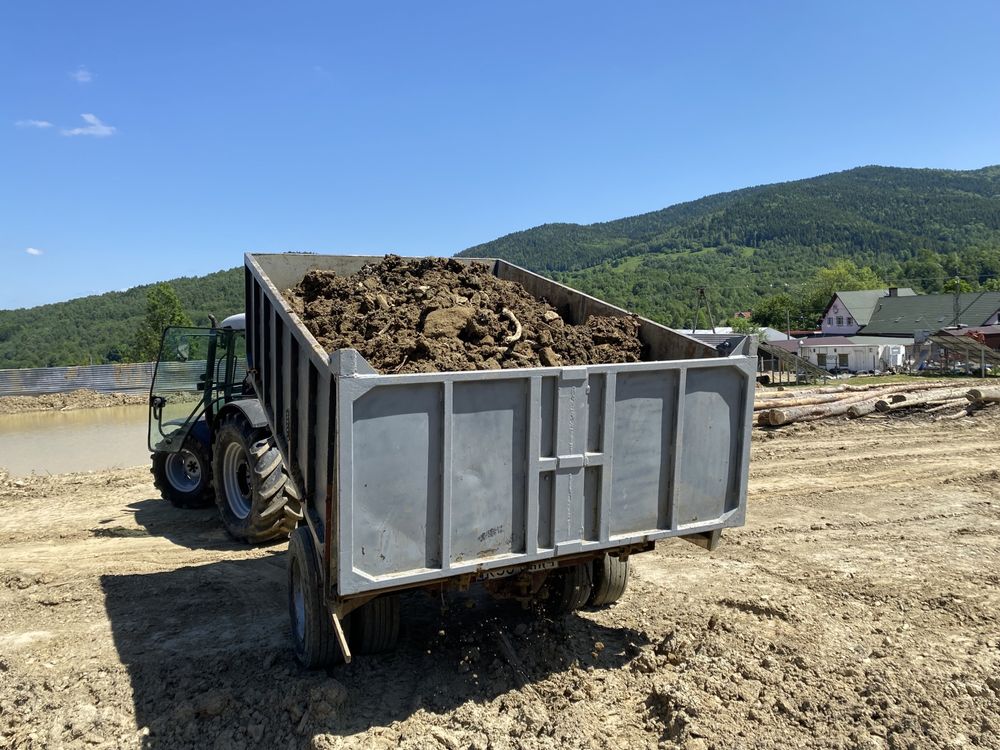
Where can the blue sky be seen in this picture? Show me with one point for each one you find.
(143, 141)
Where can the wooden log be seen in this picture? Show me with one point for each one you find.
(969, 410)
(940, 395)
(949, 404)
(779, 403)
(859, 410)
(779, 417)
(868, 400)
(991, 395)
(823, 398)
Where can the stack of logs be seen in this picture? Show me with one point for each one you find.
(777, 408)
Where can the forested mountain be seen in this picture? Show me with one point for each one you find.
(913, 227)
(763, 247)
(101, 328)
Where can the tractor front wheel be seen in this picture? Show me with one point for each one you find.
(185, 477)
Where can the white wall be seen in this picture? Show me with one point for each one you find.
(830, 326)
(858, 357)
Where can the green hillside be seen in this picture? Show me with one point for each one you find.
(99, 328)
(913, 227)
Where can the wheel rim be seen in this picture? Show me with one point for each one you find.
(298, 606)
(183, 470)
(236, 477)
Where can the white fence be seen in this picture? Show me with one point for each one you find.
(124, 378)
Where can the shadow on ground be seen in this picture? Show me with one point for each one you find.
(208, 654)
(195, 528)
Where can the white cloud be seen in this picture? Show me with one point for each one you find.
(34, 251)
(94, 127)
(81, 75)
(33, 124)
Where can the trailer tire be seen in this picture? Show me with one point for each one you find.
(184, 478)
(256, 499)
(375, 626)
(610, 576)
(315, 643)
(569, 588)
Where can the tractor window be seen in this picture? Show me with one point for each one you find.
(177, 396)
(230, 365)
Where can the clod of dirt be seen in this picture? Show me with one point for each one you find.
(436, 315)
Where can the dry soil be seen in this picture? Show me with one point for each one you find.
(79, 399)
(859, 608)
(435, 315)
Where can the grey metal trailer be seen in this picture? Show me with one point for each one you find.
(512, 477)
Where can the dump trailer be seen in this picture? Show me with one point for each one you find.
(539, 483)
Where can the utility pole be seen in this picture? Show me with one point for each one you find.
(957, 302)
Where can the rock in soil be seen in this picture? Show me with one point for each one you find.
(439, 315)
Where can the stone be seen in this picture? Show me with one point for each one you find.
(548, 357)
(447, 322)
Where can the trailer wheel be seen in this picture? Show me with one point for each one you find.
(312, 632)
(610, 577)
(375, 625)
(569, 588)
(184, 478)
(256, 500)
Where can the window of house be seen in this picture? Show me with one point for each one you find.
(850, 321)
(829, 321)
(821, 360)
(840, 320)
(842, 360)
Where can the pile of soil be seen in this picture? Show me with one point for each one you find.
(79, 399)
(436, 315)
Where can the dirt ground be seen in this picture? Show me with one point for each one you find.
(79, 399)
(434, 315)
(859, 608)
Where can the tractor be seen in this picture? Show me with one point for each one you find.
(209, 437)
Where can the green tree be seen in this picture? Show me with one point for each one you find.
(841, 276)
(742, 325)
(163, 308)
(778, 311)
(956, 285)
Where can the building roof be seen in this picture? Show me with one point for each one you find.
(881, 340)
(845, 341)
(826, 341)
(902, 316)
(861, 303)
(768, 334)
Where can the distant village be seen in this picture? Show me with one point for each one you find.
(889, 330)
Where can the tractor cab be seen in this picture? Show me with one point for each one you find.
(198, 371)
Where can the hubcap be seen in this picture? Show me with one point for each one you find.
(184, 470)
(236, 476)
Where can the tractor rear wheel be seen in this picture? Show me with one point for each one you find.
(185, 477)
(257, 501)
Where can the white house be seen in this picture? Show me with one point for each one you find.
(848, 312)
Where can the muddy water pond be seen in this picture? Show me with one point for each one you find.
(54, 442)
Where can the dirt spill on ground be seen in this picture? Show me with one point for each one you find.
(436, 315)
(859, 608)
